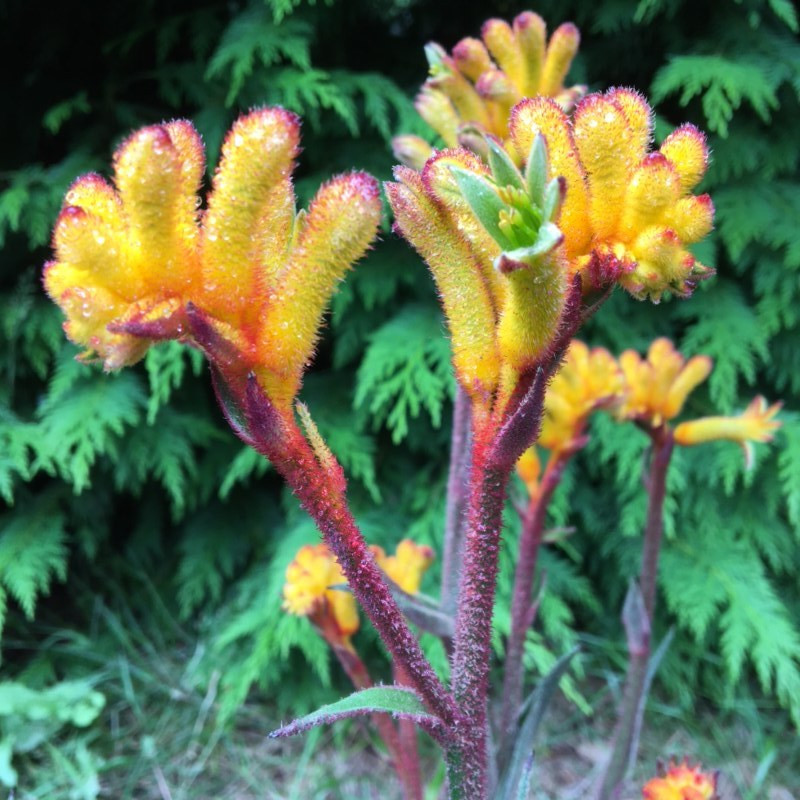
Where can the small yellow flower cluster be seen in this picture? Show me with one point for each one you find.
(407, 566)
(681, 782)
(316, 587)
(472, 90)
(657, 386)
(588, 380)
(131, 260)
(650, 391)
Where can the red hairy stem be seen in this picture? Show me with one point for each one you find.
(632, 708)
(472, 642)
(409, 754)
(521, 605)
(320, 489)
(456, 500)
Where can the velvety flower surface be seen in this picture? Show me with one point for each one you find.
(681, 782)
(629, 214)
(133, 258)
(471, 90)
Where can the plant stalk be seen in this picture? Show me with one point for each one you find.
(522, 601)
(472, 642)
(321, 494)
(457, 491)
(633, 700)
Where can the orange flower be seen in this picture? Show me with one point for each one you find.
(628, 214)
(129, 260)
(754, 424)
(657, 387)
(681, 782)
(407, 566)
(308, 593)
(587, 380)
(473, 88)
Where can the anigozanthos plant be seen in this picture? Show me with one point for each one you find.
(629, 213)
(681, 782)
(656, 389)
(471, 90)
(526, 232)
(317, 588)
(408, 564)
(314, 589)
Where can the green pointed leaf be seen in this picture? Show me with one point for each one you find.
(553, 197)
(536, 170)
(484, 202)
(515, 782)
(504, 170)
(549, 238)
(399, 702)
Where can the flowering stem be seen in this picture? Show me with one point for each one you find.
(472, 643)
(456, 500)
(522, 602)
(321, 491)
(632, 709)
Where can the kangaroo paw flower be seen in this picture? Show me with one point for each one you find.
(681, 782)
(248, 283)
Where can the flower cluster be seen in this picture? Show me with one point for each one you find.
(139, 261)
(681, 782)
(472, 90)
(657, 386)
(649, 391)
(588, 199)
(629, 213)
(656, 389)
(316, 587)
(588, 380)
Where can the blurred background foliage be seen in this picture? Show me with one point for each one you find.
(142, 547)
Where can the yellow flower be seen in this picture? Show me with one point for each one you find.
(587, 380)
(529, 469)
(657, 387)
(754, 424)
(129, 260)
(407, 566)
(628, 214)
(308, 593)
(475, 86)
(681, 782)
